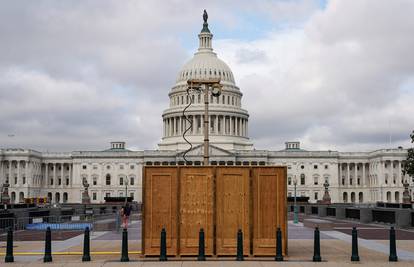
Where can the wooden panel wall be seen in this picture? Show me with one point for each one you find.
(196, 209)
(232, 209)
(220, 200)
(269, 209)
(160, 198)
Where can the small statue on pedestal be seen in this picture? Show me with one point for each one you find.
(326, 197)
(85, 195)
(406, 194)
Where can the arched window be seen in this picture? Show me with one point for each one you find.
(21, 197)
(13, 197)
(121, 180)
(289, 180)
(108, 179)
(65, 197)
(345, 197)
(397, 197)
(131, 180)
(57, 197)
(302, 179)
(360, 197)
(353, 197)
(388, 196)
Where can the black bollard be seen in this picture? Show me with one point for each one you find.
(9, 250)
(48, 246)
(279, 255)
(201, 246)
(163, 245)
(317, 246)
(240, 256)
(124, 256)
(355, 256)
(393, 246)
(86, 246)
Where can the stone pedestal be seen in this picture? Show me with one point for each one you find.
(322, 211)
(406, 194)
(308, 210)
(340, 213)
(403, 217)
(85, 197)
(365, 215)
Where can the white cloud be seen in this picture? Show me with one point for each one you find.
(334, 84)
(75, 75)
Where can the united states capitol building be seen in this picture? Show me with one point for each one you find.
(359, 177)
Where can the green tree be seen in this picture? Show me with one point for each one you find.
(409, 163)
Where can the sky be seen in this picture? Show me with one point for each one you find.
(334, 74)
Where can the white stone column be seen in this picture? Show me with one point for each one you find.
(11, 180)
(363, 174)
(399, 173)
(231, 125)
(216, 125)
(54, 174)
(340, 174)
(70, 174)
(46, 174)
(19, 181)
(61, 174)
(356, 175)
(347, 174)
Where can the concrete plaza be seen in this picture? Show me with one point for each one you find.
(335, 249)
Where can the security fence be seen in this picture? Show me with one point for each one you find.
(97, 222)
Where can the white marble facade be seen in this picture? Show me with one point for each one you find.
(359, 177)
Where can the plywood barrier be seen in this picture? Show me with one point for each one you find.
(220, 200)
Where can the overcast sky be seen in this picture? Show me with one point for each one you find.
(336, 75)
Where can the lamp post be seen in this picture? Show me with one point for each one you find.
(207, 85)
(295, 207)
(126, 189)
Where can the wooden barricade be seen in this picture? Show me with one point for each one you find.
(218, 199)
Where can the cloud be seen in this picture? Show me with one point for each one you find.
(76, 75)
(341, 82)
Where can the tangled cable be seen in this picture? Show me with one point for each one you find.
(190, 123)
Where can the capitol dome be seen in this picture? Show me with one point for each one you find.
(228, 120)
(205, 65)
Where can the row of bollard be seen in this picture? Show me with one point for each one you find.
(279, 255)
(201, 247)
(48, 246)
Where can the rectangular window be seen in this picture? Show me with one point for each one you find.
(95, 167)
(95, 181)
(121, 181)
(131, 195)
(107, 194)
(84, 167)
(94, 195)
(316, 195)
(132, 167)
(131, 181)
(121, 167)
(67, 181)
(59, 181)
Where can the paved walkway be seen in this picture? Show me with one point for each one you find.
(335, 250)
